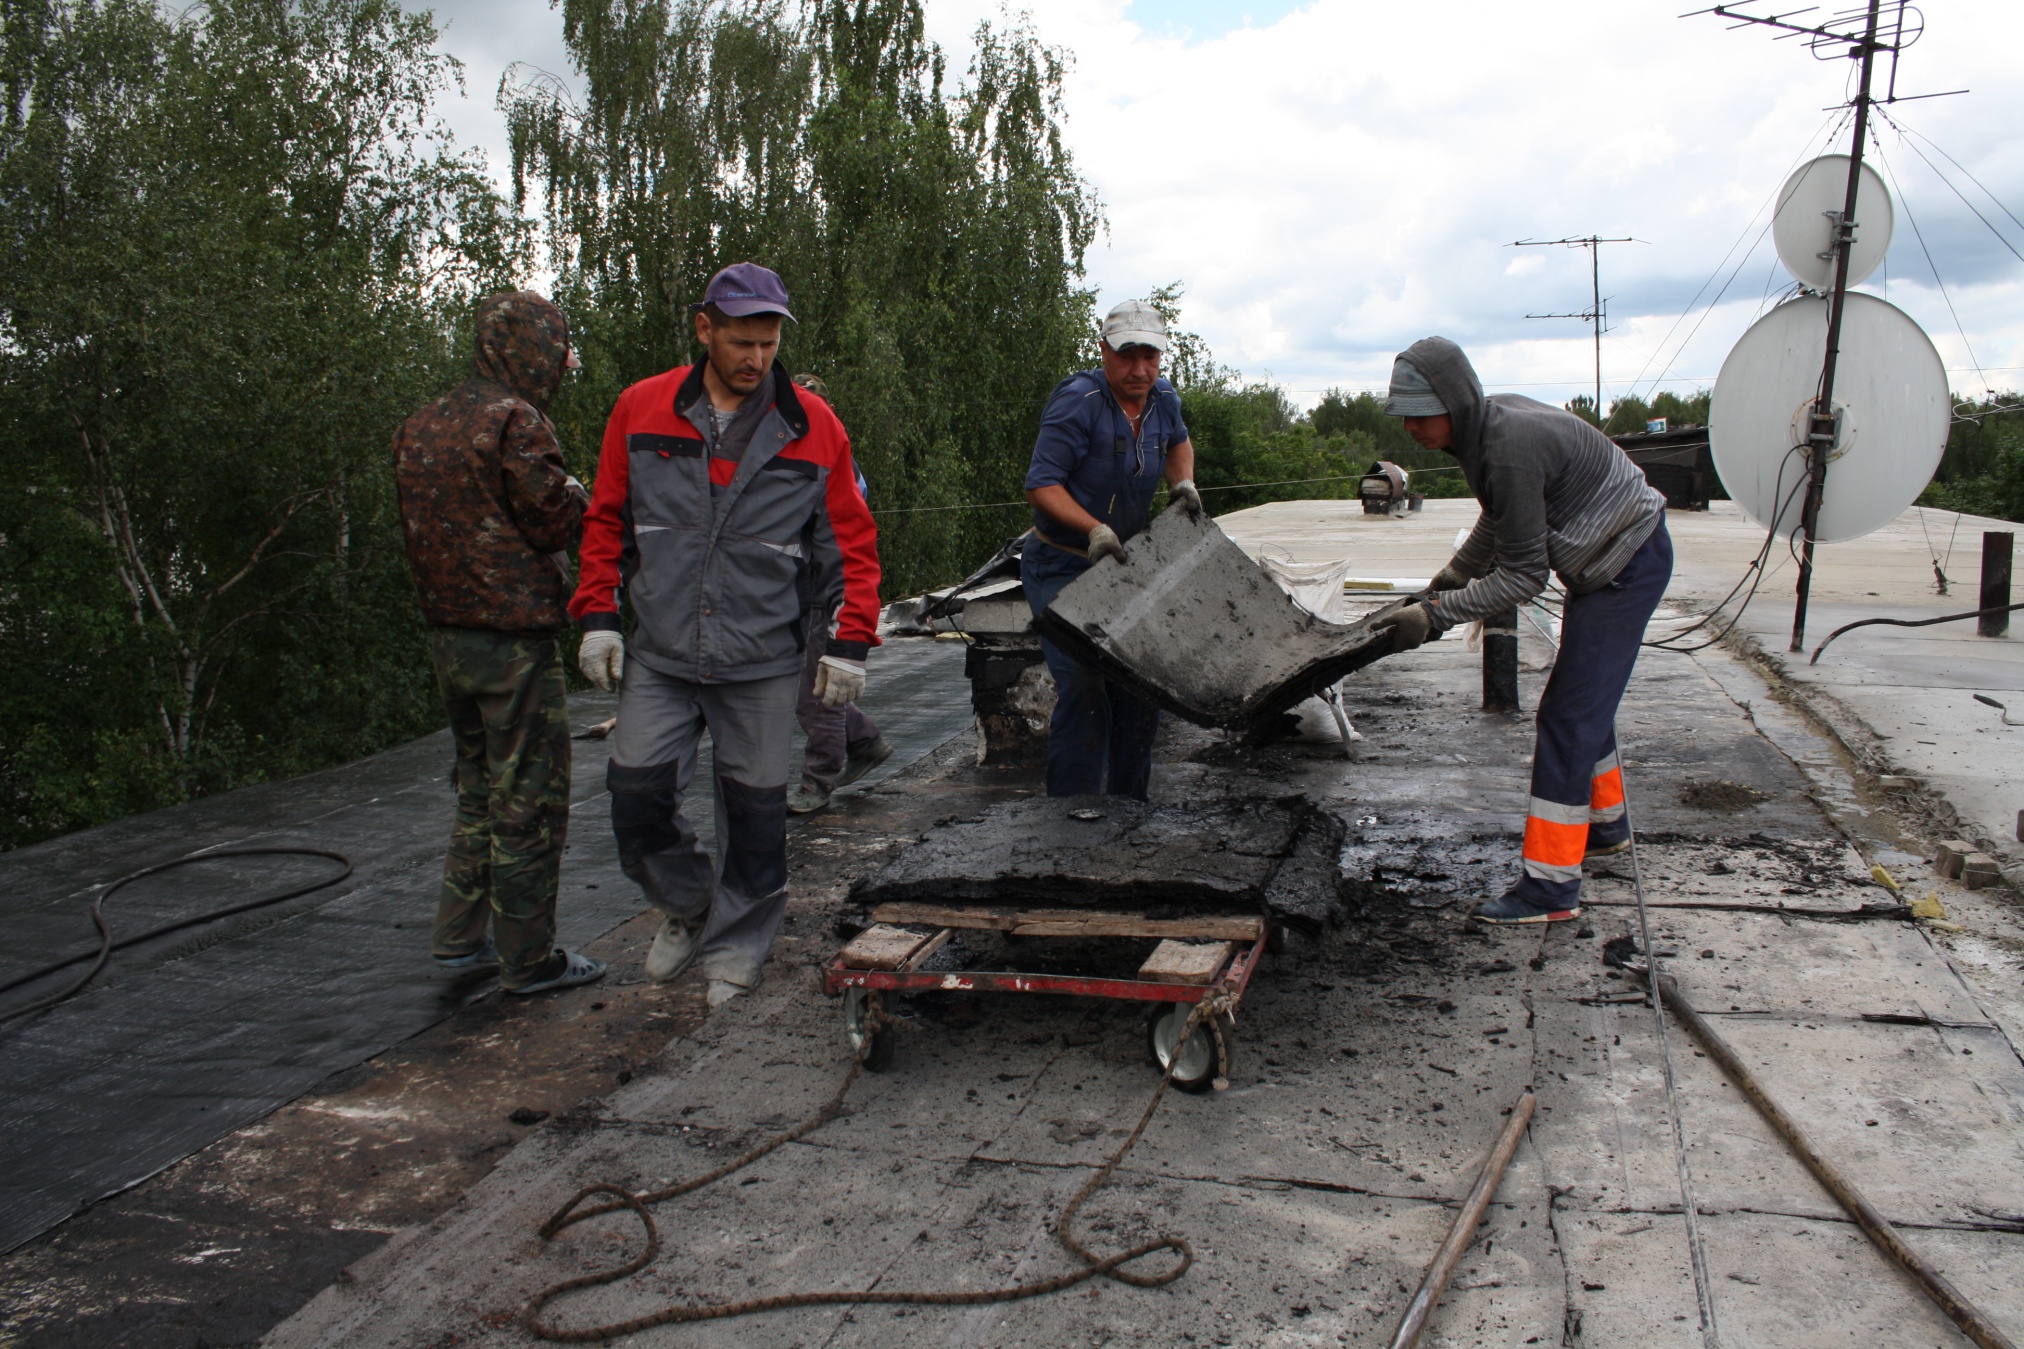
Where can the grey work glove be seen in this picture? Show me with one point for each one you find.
(839, 681)
(601, 657)
(1410, 627)
(1184, 492)
(1447, 578)
(1103, 542)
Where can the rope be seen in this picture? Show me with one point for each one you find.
(1704, 1292)
(106, 945)
(1093, 1266)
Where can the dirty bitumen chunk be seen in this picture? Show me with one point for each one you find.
(527, 1115)
(1617, 951)
(1306, 892)
(1130, 854)
(1423, 872)
(1724, 796)
(1194, 624)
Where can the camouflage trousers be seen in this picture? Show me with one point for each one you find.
(510, 719)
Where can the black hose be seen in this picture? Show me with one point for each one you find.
(106, 945)
(1910, 623)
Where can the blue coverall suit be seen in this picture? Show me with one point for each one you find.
(1101, 738)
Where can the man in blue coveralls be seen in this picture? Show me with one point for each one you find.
(1106, 439)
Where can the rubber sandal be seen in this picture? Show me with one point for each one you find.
(576, 969)
(485, 957)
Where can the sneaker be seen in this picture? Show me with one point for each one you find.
(573, 969)
(1511, 907)
(723, 990)
(806, 800)
(1606, 843)
(674, 947)
(485, 957)
(859, 762)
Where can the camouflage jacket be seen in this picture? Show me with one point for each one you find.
(487, 507)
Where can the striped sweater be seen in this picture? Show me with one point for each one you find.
(1557, 494)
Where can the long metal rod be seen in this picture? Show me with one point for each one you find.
(1690, 1207)
(1595, 308)
(1463, 1232)
(1964, 1314)
(1821, 432)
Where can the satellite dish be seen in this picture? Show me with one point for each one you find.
(1803, 231)
(1890, 391)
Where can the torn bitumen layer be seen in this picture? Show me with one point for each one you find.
(1192, 623)
(1276, 853)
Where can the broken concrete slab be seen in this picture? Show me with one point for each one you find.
(1243, 853)
(1195, 625)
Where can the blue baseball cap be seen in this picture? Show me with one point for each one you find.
(746, 288)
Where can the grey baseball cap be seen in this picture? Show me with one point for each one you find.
(1411, 395)
(1135, 324)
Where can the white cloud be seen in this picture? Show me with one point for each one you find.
(1336, 181)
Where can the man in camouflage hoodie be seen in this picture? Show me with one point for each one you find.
(489, 512)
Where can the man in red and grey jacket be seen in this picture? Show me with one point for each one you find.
(725, 504)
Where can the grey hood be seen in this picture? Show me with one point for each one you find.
(1454, 380)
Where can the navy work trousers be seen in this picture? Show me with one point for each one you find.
(1100, 741)
(1576, 781)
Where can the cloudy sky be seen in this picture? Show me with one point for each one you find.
(1334, 179)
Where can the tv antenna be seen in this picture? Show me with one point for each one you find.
(1598, 308)
(1860, 35)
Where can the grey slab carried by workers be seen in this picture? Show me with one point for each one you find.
(725, 505)
(1558, 496)
(1107, 438)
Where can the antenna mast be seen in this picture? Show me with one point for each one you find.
(1597, 313)
(1854, 34)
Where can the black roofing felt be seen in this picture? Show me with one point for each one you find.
(184, 1042)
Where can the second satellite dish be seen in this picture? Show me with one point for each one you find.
(1803, 231)
(1890, 390)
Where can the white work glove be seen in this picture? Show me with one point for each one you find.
(601, 657)
(839, 681)
(1184, 492)
(1103, 542)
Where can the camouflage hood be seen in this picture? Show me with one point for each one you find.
(523, 340)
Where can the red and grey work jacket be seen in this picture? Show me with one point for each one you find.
(723, 558)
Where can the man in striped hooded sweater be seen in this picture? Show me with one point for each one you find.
(1558, 497)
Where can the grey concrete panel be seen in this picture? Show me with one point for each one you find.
(1195, 625)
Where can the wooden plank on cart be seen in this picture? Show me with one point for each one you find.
(1209, 927)
(879, 947)
(1179, 962)
(1072, 922)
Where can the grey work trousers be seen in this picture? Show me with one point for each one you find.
(832, 731)
(739, 901)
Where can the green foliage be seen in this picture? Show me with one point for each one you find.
(236, 247)
(1979, 432)
(1996, 491)
(931, 239)
(1630, 416)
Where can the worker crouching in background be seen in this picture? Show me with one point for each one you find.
(1106, 439)
(725, 503)
(843, 742)
(489, 512)
(1557, 496)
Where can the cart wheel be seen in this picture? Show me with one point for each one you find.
(856, 1011)
(1204, 1059)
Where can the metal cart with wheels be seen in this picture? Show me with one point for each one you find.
(1198, 958)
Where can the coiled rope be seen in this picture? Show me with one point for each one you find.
(620, 1198)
